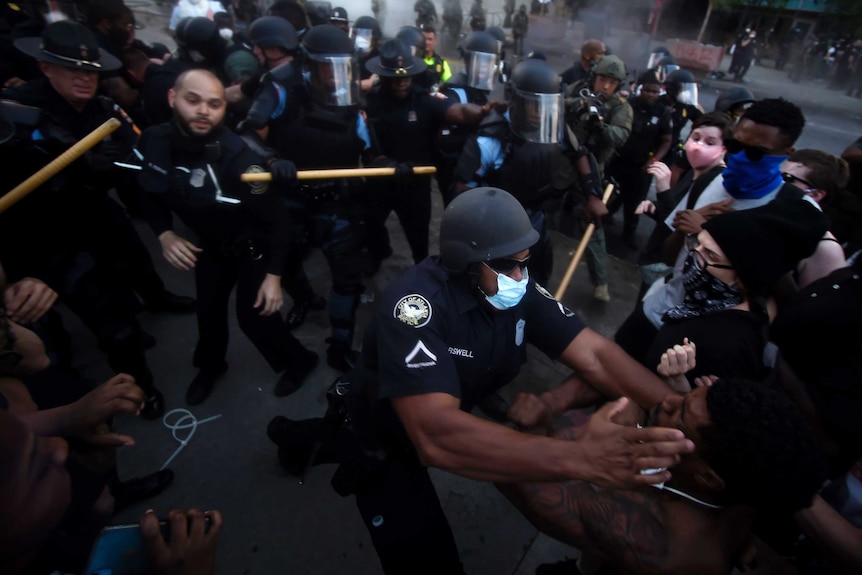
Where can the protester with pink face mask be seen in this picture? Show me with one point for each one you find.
(705, 151)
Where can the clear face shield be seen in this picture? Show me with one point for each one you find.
(481, 69)
(665, 71)
(688, 94)
(331, 79)
(537, 117)
(655, 58)
(362, 39)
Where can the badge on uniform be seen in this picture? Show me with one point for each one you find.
(654, 120)
(197, 178)
(519, 332)
(413, 309)
(257, 187)
(411, 116)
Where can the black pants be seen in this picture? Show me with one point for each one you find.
(216, 274)
(337, 228)
(634, 186)
(411, 202)
(402, 513)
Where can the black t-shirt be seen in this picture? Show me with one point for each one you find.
(407, 129)
(431, 334)
(729, 343)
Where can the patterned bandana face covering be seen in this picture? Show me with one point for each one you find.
(704, 293)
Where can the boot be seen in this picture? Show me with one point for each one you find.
(295, 375)
(203, 383)
(339, 356)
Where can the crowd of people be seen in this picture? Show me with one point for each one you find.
(718, 429)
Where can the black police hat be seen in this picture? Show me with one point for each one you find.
(339, 14)
(395, 61)
(68, 44)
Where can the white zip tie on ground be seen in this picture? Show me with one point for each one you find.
(186, 421)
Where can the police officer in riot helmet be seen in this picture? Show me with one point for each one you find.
(601, 120)
(407, 120)
(321, 127)
(734, 102)
(472, 85)
(448, 332)
(366, 36)
(200, 45)
(275, 44)
(528, 157)
(682, 99)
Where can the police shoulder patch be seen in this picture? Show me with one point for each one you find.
(544, 292)
(413, 309)
(257, 187)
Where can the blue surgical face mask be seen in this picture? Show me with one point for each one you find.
(744, 179)
(509, 292)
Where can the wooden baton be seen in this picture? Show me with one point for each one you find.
(340, 173)
(582, 247)
(59, 163)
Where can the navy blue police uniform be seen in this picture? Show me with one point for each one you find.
(433, 333)
(241, 242)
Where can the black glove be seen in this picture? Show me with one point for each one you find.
(101, 160)
(403, 171)
(283, 171)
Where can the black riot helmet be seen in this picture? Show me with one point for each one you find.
(413, 38)
(273, 32)
(499, 35)
(199, 41)
(666, 66)
(366, 34)
(733, 98)
(657, 54)
(480, 59)
(483, 224)
(329, 60)
(319, 12)
(682, 84)
(536, 102)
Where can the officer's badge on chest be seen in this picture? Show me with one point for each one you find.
(197, 177)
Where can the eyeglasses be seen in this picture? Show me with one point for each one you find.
(692, 244)
(754, 153)
(508, 265)
(791, 179)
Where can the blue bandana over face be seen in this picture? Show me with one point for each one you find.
(747, 180)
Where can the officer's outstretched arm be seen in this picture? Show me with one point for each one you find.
(605, 453)
(605, 366)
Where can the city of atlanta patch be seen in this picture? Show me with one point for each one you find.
(413, 309)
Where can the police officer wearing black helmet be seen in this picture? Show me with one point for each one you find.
(682, 99)
(523, 150)
(734, 102)
(321, 127)
(199, 45)
(407, 119)
(472, 85)
(192, 168)
(366, 43)
(275, 43)
(447, 333)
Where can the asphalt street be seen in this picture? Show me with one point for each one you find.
(275, 525)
